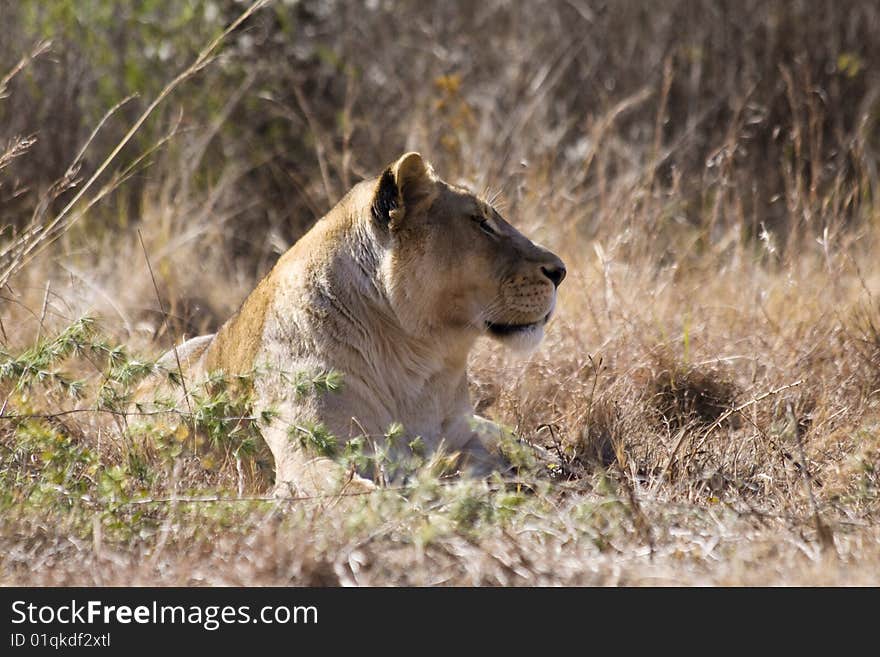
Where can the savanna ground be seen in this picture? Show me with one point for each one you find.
(705, 408)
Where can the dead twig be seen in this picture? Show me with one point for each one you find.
(39, 49)
(717, 423)
(170, 335)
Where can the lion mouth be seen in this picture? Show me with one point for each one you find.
(501, 329)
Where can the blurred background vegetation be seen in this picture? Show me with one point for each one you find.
(744, 112)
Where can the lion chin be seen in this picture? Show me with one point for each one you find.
(522, 338)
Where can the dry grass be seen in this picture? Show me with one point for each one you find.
(705, 408)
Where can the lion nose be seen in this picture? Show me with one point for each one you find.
(555, 273)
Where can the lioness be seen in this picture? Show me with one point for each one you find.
(391, 288)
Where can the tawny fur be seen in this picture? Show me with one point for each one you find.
(391, 288)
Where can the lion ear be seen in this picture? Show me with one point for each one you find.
(405, 185)
(414, 177)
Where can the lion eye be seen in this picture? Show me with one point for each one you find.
(486, 228)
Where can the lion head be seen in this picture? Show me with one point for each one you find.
(452, 264)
